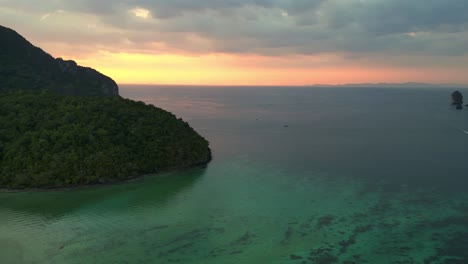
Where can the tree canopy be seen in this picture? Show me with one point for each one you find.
(49, 140)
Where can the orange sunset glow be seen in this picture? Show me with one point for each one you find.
(225, 69)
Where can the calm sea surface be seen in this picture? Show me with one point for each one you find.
(299, 175)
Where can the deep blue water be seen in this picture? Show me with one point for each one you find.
(399, 135)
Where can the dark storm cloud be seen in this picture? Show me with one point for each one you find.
(271, 27)
(397, 16)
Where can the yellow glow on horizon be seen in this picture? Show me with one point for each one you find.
(224, 69)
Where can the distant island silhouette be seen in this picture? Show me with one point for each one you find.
(395, 85)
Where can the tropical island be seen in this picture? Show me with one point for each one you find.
(63, 125)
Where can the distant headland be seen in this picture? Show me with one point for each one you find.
(63, 125)
(395, 85)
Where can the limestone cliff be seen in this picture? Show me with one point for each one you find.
(26, 67)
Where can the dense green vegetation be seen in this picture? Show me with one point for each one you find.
(49, 140)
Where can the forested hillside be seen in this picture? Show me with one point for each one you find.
(49, 140)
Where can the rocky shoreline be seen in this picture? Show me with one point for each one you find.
(162, 173)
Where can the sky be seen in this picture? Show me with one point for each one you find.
(252, 42)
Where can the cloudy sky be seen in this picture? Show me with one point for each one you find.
(244, 42)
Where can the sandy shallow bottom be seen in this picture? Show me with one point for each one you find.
(237, 212)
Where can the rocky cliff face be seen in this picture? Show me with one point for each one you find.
(26, 67)
(457, 100)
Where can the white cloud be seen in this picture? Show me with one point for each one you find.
(140, 12)
(44, 17)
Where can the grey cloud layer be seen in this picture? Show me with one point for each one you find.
(270, 27)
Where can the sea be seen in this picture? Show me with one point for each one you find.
(299, 175)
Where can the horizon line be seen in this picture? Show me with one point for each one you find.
(380, 84)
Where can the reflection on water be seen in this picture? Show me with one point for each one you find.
(357, 176)
(51, 204)
(37, 225)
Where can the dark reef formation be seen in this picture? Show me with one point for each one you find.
(26, 67)
(457, 99)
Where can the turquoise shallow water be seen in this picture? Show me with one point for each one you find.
(298, 176)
